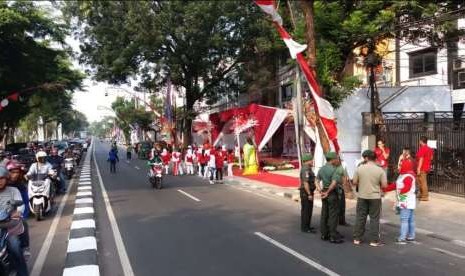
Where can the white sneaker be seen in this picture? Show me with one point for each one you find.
(26, 254)
(211, 182)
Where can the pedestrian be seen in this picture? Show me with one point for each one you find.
(207, 162)
(382, 154)
(370, 179)
(423, 157)
(326, 183)
(219, 163)
(203, 163)
(113, 158)
(212, 165)
(176, 158)
(406, 200)
(189, 161)
(342, 183)
(129, 152)
(231, 159)
(198, 157)
(166, 159)
(307, 189)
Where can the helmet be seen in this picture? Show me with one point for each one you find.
(41, 154)
(3, 172)
(13, 165)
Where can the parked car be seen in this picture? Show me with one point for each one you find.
(26, 157)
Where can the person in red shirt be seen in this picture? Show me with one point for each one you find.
(231, 158)
(219, 162)
(382, 154)
(423, 159)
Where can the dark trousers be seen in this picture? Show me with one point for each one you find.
(202, 169)
(24, 237)
(305, 211)
(342, 206)
(219, 174)
(329, 216)
(128, 155)
(113, 166)
(16, 255)
(365, 208)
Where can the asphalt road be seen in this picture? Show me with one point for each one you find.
(193, 228)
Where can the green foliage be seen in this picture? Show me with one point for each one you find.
(128, 115)
(29, 64)
(205, 47)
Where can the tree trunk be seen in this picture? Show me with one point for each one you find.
(307, 7)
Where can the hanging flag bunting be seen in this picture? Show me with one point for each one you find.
(322, 106)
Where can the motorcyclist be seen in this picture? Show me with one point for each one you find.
(14, 225)
(40, 169)
(57, 163)
(16, 180)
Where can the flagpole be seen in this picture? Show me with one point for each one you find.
(297, 106)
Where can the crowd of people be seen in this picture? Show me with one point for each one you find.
(370, 183)
(204, 160)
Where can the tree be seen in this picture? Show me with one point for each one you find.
(128, 116)
(205, 47)
(30, 65)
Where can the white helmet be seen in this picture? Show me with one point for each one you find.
(41, 154)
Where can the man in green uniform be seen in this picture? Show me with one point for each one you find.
(342, 182)
(307, 188)
(326, 182)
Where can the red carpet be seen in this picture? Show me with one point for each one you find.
(270, 178)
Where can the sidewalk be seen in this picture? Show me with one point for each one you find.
(442, 217)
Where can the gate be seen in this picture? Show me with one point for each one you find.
(404, 129)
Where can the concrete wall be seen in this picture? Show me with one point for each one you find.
(414, 99)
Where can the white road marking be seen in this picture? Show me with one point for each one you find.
(81, 244)
(84, 200)
(84, 194)
(123, 255)
(87, 187)
(88, 270)
(83, 223)
(252, 192)
(83, 210)
(296, 254)
(443, 251)
(40, 260)
(189, 195)
(137, 168)
(459, 243)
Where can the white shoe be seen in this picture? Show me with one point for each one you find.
(211, 182)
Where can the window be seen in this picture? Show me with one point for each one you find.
(286, 92)
(423, 63)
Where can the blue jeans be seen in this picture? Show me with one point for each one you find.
(16, 255)
(407, 224)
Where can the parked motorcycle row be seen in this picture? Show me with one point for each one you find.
(38, 171)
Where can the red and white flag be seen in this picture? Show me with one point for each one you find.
(269, 7)
(322, 106)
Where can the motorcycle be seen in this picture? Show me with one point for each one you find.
(6, 267)
(77, 156)
(155, 175)
(41, 194)
(69, 167)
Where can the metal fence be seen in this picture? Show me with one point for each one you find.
(404, 129)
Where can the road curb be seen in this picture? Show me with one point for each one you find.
(295, 196)
(81, 254)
